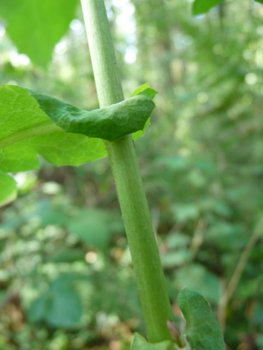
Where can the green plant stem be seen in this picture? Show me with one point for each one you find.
(145, 256)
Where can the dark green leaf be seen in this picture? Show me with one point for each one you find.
(65, 309)
(202, 6)
(202, 328)
(108, 123)
(60, 306)
(38, 308)
(36, 26)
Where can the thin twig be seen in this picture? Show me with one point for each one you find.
(197, 239)
(231, 287)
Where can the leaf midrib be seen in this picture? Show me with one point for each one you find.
(42, 129)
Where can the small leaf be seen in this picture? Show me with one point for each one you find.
(140, 343)
(260, 1)
(202, 6)
(144, 90)
(46, 22)
(202, 328)
(8, 189)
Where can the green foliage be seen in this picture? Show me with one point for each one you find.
(202, 6)
(108, 123)
(93, 227)
(8, 189)
(140, 343)
(198, 278)
(99, 225)
(59, 307)
(202, 329)
(20, 114)
(203, 150)
(32, 124)
(43, 28)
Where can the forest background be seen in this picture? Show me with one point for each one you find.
(201, 160)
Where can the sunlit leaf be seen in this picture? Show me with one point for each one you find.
(144, 90)
(33, 124)
(36, 26)
(8, 189)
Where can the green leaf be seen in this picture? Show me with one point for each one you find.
(38, 308)
(198, 277)
(64, 309)
(260, 1)
(140, 343)
(202, 6)
(143, 90)
(8, 189)
(20, 118)
(94, 227)
(28, 131)
(60, 306)
(108, 123)
(36, 26)
(202, 328)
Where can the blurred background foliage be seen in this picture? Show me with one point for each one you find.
(66, 278)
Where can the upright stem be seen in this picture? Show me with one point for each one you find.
(145, 256)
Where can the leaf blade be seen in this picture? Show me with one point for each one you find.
(46, 22)
(109, 123)
(202, 329)
(23, 114)
(203, 6)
